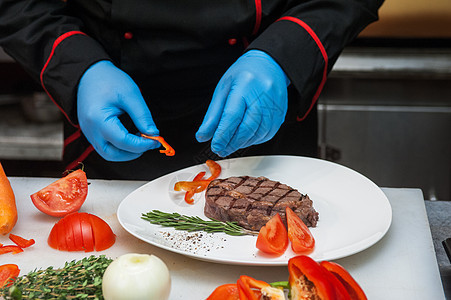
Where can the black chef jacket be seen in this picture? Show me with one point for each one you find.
(176, 52)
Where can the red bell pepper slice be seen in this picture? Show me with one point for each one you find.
(190, 185)
(10, 248)
(307, 277)
(215, 169)
(8, 273)
(225, 292)
(190, 194)
(302, 241)
(198, 184)
(20, 241)
(250, 288)
(168, 150)
(352, 287)
(273, 237)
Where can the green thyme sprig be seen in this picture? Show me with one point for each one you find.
(78, 279)
(194, 223)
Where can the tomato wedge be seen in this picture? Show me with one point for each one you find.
(8, 273)
(64, 196)
(302, 241)
(81, 232)
(273, 237)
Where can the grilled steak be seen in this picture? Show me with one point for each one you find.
(252, 201)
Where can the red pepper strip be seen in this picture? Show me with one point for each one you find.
(190, 194)
(10, 248)
(302, 241)
(272, 237)
(190, 185)
(8, 273)
(302, 270)
(20, 241)
(353, 288)
(215, 169)
(250, 288)
(225, 292)
(168, 150)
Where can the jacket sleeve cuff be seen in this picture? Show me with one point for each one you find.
(306, 63)
(71, 55)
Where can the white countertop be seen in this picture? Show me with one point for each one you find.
(402, 265)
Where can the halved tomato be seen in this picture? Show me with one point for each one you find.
(81, 231)
(64, 196)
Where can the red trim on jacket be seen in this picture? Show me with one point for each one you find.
(258, 16)
(55, 44)
(323, 53)
(80, 159)
(72, 137)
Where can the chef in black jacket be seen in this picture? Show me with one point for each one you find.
(216, 79)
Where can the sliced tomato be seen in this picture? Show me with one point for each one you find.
(64, 196)
(273, 237)
(68, 234)
(53, 239)
(302, 241)
(78, 237)
(81, 231)
(86, 230)
(62, 239)
(8, 273)
(104, 237)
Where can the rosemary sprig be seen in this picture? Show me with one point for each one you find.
(194, 223)
(80, 279)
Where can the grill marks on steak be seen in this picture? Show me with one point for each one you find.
(252, 201)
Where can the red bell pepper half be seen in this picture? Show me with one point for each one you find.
(307, 278)
(20, 241)
(8, 273)
(302, 241)
(352, 287)
(225, 292)
(273, 237)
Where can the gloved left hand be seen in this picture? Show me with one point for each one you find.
(248, 106)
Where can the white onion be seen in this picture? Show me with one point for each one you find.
(136, 276)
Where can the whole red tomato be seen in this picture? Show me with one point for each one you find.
(64, 196)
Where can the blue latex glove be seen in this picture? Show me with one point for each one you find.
(248, 106)
(104, 93)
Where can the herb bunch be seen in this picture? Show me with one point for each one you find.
(194, 223)
(80, 279)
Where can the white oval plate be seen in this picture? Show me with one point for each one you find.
(354, 213)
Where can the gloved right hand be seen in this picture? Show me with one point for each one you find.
(104, 93)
